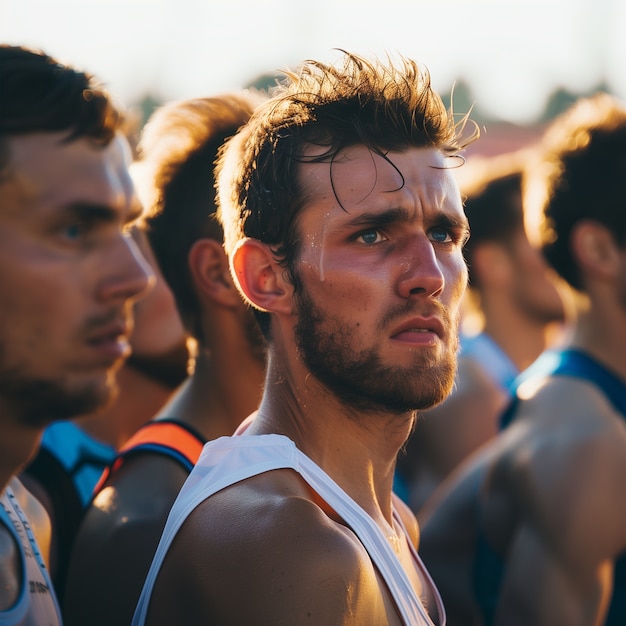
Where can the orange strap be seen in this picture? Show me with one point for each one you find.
(170, 438)
(168, 434)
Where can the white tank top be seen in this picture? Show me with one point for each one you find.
(37, 603)
(228, 460)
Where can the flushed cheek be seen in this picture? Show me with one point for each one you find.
(347, 271)
(359, 288)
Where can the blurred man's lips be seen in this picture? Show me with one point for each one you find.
(111, 342)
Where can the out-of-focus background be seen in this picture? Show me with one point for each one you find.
(519, 62)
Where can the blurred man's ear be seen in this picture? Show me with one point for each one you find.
(210, 271)
(595, 250)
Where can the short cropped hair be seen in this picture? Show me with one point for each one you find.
(39, 94)
(384, 106)
(580, 175)
(175, 180)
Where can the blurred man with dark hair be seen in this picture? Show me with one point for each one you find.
(69, 274)
(514, 301)
(119, 535)
(74, 453)
(533, 529)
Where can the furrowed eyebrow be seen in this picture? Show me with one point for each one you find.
(136, 213)
(397, 215)
(378, 219)
(99, 213)
(93, 212)
(453, 223)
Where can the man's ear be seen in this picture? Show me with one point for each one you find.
(260, 278)
(595, 250)
(209, 269)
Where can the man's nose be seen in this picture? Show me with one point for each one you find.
(421, 272)
(129, 275)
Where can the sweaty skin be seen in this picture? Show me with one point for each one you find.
(393, 278)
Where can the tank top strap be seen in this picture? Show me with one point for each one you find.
(37, 602)
(168, 437)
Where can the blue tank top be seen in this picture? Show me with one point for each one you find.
(489, 565)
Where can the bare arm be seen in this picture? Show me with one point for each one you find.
(544, 588)
(448, 526)
(117, 539)
(568, 486)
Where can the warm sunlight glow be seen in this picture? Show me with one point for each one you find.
(513, 54)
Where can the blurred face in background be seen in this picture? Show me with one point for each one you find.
(69, 274)
(158, 340)
(534, 285)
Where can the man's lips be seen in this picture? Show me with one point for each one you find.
(111, 341)
(419, 330)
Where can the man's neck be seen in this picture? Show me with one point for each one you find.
(357, 449)
(600, 332)
(218, 396)
(521, 338)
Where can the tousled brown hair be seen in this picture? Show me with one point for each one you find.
(382, 105)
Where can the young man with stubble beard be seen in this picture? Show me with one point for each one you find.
(344, 228)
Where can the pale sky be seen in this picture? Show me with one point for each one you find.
(511, 52)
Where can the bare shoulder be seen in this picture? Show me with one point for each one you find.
(267, 537)
(473, 379)
(448, 520)
(470, 412)
(455, 499)
(564, 463)
(567, 423)
(121, 528)
(140, 494)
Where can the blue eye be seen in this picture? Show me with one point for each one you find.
(73, 231)
(370, 237)
(440, 235)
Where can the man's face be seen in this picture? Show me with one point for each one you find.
(534, 286)
(158, 341)
(382, 274)
(68, 275)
